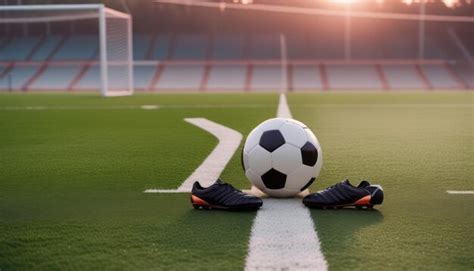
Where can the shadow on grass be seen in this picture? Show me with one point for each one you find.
(338, 229)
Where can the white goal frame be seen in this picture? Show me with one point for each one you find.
(90, 11)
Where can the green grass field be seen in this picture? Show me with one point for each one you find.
(73, 168)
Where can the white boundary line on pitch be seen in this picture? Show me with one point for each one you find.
(465, 192)
(212, 167)
(211, 106)
(283, 235)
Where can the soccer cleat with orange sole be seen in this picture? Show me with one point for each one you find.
(223, 196)
(344, 194)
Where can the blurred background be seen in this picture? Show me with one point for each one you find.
(193, 48)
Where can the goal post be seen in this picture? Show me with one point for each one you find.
(112, 56)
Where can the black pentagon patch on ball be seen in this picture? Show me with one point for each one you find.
(271, 140)
(309, 153)
(242, 159)
(274, 179)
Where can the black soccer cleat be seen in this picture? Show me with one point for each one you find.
(224, 196)
(344, 194)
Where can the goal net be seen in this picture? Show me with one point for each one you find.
(66, 47)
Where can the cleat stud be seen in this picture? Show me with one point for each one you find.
(370, 206)
(359, 207)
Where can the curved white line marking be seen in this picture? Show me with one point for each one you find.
(283, 235)
(212, 167)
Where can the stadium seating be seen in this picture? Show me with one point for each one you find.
(267, 78)
(440, 77)
(140, 46)
(227, 46)
(241, 62)
(464, 73)
(190, 47)
(143, 76)
(307, 77)
(404, 77)
(56, 78)
(46, 48)
(18, 48)
(181, 78)
(353, 77)
(19, 76)
(78, 48)
(161, 47)
(227, 77)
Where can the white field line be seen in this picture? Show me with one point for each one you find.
(145, 107)
(210, 106)
(465, 192)
(212, 167)
(283, 109)
(283, 235)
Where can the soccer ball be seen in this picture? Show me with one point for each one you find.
(282, 157)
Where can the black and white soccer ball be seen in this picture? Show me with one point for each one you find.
(282, 157)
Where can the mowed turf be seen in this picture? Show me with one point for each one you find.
(71, 182)
(417, 146)
(72, 176)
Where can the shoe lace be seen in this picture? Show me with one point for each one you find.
(229, 186)
(332, 186)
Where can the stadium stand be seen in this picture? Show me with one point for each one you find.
(226, 46)
(56, 77)
(353, 76)
(404, 77)
(46, 48)
(180, 77)
(236, 61)
(78, 48)
(306, 77)
(160, 47)
(267, 78)
(227, 77)
(18, 48)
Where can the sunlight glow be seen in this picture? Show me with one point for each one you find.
(343, 1)
(448, 3)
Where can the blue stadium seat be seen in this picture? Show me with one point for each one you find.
(161, 47)
(46, 48)
(20, 75)
(227, 46)
(181, 77)
(143, 75)
(440, 77)
(306, 77)
(227, 77)
(140, 46)
(78, 48)
(265, 46)
(190, 46)
(56, 78)
(403, 77)
(19, 48)
(267, 78)
(353, 77)
(90, 80)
